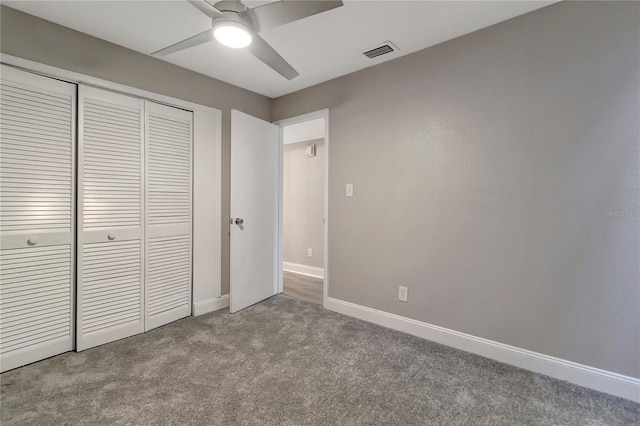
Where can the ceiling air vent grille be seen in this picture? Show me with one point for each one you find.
(383, 49)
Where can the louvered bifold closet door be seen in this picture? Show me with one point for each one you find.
(110, 217)
(168, 230)
(37, 147)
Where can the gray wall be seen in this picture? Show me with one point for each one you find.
(496, 175)
(303, 203)
(32, 38)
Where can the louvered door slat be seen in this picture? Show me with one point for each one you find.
(13, 100)
(37, 126)
(168, 214)
(100, 271)
(126, 174)
(110, 274)
(18, 172)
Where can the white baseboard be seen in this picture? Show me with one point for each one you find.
(583, 375)
(210, 305)
(298, 268)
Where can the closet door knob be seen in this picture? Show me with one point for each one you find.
(239, 221)
(111, 236)
(33, 240)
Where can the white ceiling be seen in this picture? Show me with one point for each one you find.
(320, 47)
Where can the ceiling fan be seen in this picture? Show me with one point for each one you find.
(235, 25)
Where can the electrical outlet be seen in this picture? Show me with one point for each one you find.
(310, 252)
(403, 294)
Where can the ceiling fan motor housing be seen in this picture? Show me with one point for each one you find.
(230, 9)
(230, 6)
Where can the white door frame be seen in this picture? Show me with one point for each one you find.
(207, 146)
(323, 113)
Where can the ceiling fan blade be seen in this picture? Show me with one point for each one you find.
(206, 8)
(275, 14)
(197, 39)
(267, 54)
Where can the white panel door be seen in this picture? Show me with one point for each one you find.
(255, 148)
(110, 217)
(37, 147)
(168, 221)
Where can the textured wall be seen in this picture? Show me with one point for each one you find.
(496, 175)
(32, 38)
(303, 203)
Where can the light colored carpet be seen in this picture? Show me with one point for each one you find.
(289, 362)
(303, 287)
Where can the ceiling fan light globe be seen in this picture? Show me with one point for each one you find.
(232, 35)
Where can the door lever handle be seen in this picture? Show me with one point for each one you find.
(239, 221)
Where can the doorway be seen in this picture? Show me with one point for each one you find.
(303, 200)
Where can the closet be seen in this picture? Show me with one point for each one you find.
(110, 216)
(168, 214)
(37, 147)
(124, 266)
(134, 216)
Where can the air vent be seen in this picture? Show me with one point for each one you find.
(383, 49)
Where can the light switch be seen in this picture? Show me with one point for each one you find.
(403, 294)
(349, 190)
